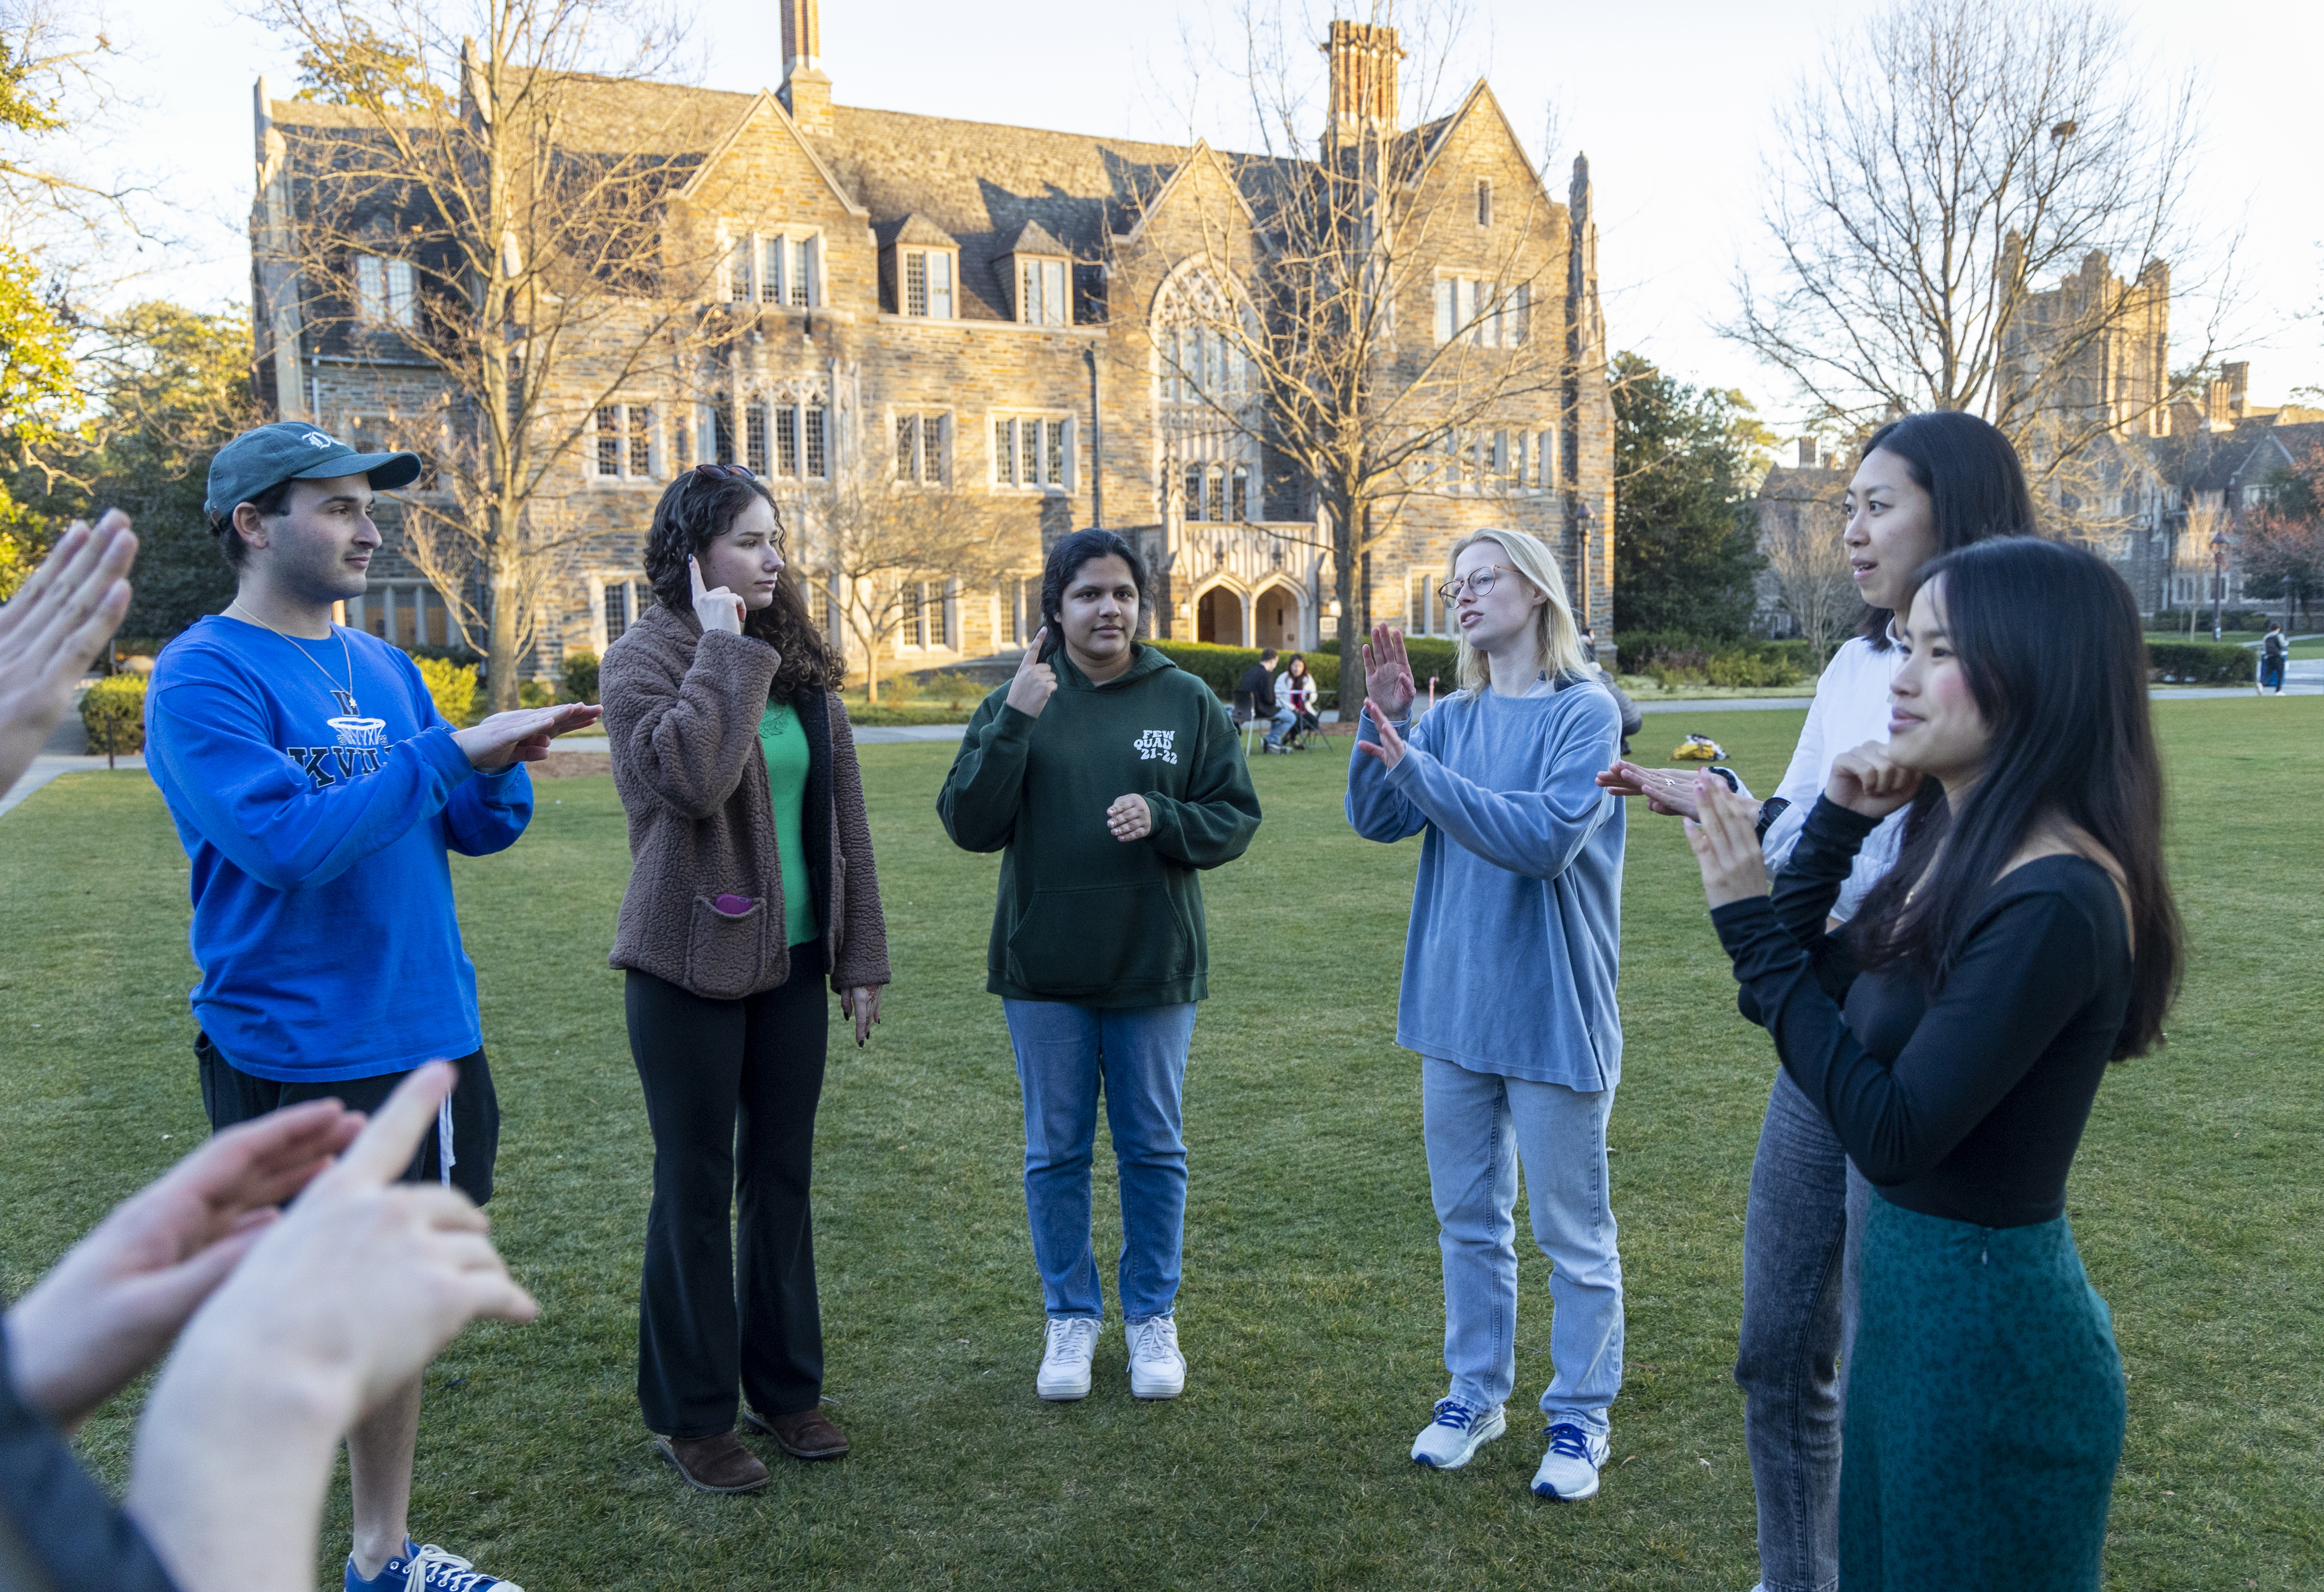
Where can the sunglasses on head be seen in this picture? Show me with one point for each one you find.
(725, 472)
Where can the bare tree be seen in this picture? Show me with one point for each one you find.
(1322, 326)
(876, 546)
(1809, 564)
(478, 211)
(2206, 517)
(1950, 160)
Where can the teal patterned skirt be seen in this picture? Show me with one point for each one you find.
(1985, 1411)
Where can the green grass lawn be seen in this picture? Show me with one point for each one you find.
(1310, 1313)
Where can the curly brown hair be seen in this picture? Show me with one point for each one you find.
(696, 508)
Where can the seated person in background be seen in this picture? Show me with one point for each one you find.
(1297, 690)
(1257, 685)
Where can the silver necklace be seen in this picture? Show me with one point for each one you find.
(353, 709)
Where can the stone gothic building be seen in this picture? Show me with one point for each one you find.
(1002, 312)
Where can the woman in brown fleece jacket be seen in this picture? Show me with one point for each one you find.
(752, 882)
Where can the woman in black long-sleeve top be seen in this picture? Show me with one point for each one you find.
(1954, 1032)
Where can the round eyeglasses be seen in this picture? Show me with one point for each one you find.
(1479, 581)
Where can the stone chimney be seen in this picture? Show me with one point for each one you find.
(1363, 81)
(806, 92)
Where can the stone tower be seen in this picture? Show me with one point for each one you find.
(1363, 58)
(806, 92)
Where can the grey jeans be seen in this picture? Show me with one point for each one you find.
(1801, 1230)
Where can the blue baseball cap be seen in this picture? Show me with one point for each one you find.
(294, 450)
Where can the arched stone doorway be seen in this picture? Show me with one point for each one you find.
(1218, 617)
(1275, 618)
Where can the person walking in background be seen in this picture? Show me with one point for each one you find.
(317, 792)
(1508, 986)
(1257, 686)
(2272, 651)
(1298, 692)
(1923, 485)
(1953, 1034)
(1108, 778)
(752, 883)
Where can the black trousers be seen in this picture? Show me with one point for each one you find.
(731, 1090)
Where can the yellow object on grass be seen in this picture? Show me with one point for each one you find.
(1698, 749)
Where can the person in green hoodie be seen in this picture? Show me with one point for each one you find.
(1107, 777)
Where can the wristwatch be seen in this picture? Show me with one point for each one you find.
(1769, 811)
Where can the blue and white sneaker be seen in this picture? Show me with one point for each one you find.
(427, 1569)
(1569, 1471)
(1452, 1438)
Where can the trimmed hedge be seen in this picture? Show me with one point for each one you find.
(2201, 663)
(1220, 667)
(1674, 658)
(112, 712)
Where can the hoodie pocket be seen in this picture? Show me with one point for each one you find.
(1090, 941)
(726, 946)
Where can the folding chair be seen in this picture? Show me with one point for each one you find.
(1246, 718)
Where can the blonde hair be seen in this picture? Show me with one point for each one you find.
(1557, 642)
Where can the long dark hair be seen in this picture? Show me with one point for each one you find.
(1064, 562)
(2049, 638)
(1976, 486)
(698, 508)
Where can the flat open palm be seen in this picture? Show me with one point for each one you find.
(1387, 671)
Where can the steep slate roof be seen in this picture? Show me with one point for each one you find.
(1032, 238)
(984, 187)
(982, 183)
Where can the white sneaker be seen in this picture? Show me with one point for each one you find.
(1452, 1438)
(1065, 1361)
(1157, 1369)
(1569, 1471)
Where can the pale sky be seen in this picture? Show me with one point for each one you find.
(1672, 99)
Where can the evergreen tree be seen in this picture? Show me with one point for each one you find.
(1685, 459)
(169, 386)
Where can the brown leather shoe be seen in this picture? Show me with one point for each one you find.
(718, 1464)
(807, 1435)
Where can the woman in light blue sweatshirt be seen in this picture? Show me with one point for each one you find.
(1508, 986)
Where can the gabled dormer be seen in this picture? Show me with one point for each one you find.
(1037, 272)
(919, 270)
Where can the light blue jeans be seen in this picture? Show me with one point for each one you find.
(1067, 1056)
(1480, 1128)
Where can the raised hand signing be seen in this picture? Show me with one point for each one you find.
(1034, 681)
(111, 1306)
(1667, 790)
(1865, 781)
(65, 610)
(523, 735)
(717, 608)
(1725, 836)
(1388, 685)
(1389, 748)
(1129, 818)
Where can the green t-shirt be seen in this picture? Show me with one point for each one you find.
(783, 741)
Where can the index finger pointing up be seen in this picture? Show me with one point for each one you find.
(386, 1145)
(693, 571)
(1033, 651)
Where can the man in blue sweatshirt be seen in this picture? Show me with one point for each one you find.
(317, 792)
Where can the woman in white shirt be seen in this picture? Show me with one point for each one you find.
(1295, 688)
(1924, 485)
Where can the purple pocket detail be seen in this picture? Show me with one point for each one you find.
(734, 906)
